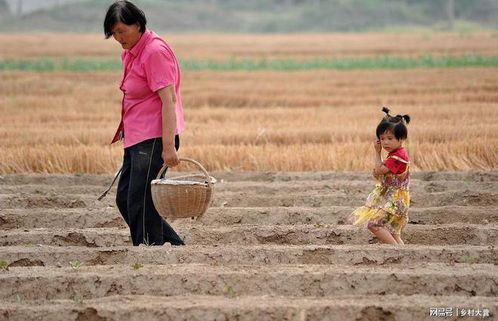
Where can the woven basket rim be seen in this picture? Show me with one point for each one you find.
(166, 181)
(182, 196)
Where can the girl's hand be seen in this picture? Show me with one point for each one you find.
(378, 146)
(374, 174)
(380, 170)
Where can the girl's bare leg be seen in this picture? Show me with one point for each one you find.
(383, 235)
(398, 239)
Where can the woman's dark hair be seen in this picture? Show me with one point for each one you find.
(394, 124)
(125, 12)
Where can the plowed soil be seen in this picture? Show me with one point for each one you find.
(273, 246)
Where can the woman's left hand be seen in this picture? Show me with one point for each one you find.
(170, 156)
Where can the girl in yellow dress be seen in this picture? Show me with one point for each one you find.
(385, 213)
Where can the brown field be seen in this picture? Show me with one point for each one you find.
(223, 46)
(322, 120)
(260, 120)
(274, 245)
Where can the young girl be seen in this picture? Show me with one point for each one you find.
(385, 213)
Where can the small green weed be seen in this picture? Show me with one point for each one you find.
(137, 266)
(230, 292)
(78, 299)
(32, 245)
(75, 265)
(469, 259)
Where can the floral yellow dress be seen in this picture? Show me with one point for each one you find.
(387, 205)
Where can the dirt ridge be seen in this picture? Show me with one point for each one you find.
(274, 246)
(267, 307)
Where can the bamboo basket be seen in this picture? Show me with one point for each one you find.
(183, 196)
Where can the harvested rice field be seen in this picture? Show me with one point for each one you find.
(62, 121)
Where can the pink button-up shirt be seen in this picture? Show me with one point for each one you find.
(149, 66)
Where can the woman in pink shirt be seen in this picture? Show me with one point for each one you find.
(151, 120)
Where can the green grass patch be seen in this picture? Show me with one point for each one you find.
(55, 64)
(378, 62)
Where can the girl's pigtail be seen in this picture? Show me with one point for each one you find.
(387, 117)
(402, 118)
(386, 110)
(406, 118)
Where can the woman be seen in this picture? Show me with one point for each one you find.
(151, 119)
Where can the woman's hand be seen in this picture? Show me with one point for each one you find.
(378, 146)
(170, 156)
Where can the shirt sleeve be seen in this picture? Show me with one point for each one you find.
(160, 69)
(394, 165)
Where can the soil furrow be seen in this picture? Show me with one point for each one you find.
(250, 255)
(273, 246)
(288, 280)
(251, 235)
(223, 216)
(103, 180)
(254, 199)
(273, 188)
(243, 308)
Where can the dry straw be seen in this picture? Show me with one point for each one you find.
(309, 120)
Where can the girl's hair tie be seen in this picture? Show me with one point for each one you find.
(405, 118)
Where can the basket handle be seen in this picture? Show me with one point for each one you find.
(185, 159)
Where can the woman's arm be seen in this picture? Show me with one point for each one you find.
(168, 98)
